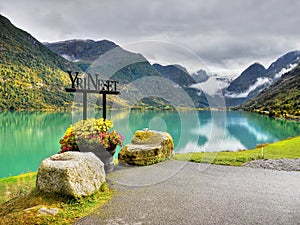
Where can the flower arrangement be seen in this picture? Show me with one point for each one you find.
(92, 133)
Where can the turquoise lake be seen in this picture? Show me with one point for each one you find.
(27, 138)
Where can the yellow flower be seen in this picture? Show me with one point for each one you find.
(103, 125)
(69, 130)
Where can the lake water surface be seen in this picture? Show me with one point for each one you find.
(28, 138)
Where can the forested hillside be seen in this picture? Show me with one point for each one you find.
(31, 76)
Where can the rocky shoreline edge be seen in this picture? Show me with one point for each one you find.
(275, 164)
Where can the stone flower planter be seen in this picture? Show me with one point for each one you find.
(105, 155)
(92, 135)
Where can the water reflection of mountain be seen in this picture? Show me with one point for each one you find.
(17, 125)
(251, 129)
(210, 130)
(26, 138)
(180, 124)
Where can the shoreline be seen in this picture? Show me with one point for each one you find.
(292, 118)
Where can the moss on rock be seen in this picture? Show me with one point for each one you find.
(147, 147)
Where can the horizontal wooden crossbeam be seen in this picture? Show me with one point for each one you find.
(92, 91)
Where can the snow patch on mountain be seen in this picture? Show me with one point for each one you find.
(67, 57)
(285, 70)
(260, 81)
(70, 58)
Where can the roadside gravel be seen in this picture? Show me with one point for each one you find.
(275, 164)
(175, 192)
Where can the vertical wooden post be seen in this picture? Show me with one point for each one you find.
(84, 104)
(104, 105)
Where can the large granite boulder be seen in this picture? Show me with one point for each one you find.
(71, 173)
(147, 147)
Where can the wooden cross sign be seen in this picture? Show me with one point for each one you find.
(91, 84)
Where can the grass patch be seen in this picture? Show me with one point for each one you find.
(20, 202)
(17, 185)
(288, 148)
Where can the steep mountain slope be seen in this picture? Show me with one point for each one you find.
(175, 74)
(246, 85)
(31, 76)
(283, 64)
(181, 77)
(247, 78)
(280, 98)
(255, 78)
(200, 76)
(123, 66)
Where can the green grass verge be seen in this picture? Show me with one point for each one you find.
(289, 148)
(17, 185)
(20, 202)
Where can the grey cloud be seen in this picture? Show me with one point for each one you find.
(220, 32)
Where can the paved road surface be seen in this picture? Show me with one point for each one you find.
(177, 192)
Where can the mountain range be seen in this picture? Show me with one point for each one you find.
(280, 99)
(256, 77)
(33, 76)
(126, 67)
(246, 86)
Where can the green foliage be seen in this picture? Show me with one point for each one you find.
(153, 103)
(31, 76)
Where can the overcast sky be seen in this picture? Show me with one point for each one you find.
(228, 35)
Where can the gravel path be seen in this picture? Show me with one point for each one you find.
(175, 192)
(275, 164)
